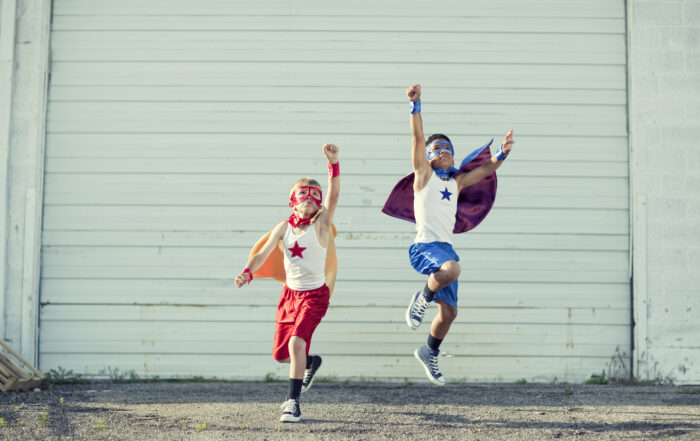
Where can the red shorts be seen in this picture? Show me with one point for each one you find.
(298, 314)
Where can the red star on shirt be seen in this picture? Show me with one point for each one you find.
(296, 250)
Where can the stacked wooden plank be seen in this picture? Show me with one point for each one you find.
(16, 374)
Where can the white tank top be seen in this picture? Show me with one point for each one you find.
(435, 207)
(304, 259)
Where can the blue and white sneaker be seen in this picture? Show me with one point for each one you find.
(416, 310)
(428, 359)
(291, 413)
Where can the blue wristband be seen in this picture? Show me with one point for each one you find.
(415, 107)
(500, 155)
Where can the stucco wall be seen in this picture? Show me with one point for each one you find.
(664, 90)
(23, 168)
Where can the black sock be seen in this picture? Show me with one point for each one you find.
(309, 361)
(428, 294)
(434, 343)
(295, 388)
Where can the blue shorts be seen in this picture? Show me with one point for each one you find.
(427, 258)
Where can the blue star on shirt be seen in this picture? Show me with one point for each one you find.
(446, 194)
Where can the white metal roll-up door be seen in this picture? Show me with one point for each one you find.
(175, 129)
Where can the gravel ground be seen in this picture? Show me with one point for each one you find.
(351, 411)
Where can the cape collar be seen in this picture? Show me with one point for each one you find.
(444, 174)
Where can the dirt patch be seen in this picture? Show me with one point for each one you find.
(340, 411)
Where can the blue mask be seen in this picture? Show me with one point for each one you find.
(433, 149)
(437, 146)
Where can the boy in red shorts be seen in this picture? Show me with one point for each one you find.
(305, 237)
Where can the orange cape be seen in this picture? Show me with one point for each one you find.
(274, 264)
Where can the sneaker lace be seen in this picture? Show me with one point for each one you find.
(433, 362)
(307, 375)
(420, 306)
(290, 406)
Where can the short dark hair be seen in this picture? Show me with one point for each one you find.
(437, 136)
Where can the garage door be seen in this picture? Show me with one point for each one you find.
(175, 129)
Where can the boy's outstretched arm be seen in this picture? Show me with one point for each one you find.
(331, 201)
(488, 167)
(421, 166)
(256, 260)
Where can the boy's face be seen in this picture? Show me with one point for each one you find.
(440, 154)
(305, 200)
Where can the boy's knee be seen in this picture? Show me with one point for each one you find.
(297, 343)
(448, 313)
(452, 269)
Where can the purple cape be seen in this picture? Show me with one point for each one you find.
(473, 204)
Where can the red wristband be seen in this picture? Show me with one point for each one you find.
(250, 274)
(334, 169)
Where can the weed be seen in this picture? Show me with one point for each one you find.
(133, 377)
(327, 379)
(597, 379)
(198, 379)
(690, 390)
(100, 425)
(61, 376)
(568, 391)
(201, 427)
(270, 378)
(113, 374)
(44, 419)
(521, 381)
(627, 381)
(2, 422)
(243, 426)
(61, 400)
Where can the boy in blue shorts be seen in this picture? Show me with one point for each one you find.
(436, 187)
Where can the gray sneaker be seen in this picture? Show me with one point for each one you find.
(416, 310)
(291, 413)
(428, 359)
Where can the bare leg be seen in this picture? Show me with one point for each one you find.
(448, 273)
(297, 351)
(443, 320)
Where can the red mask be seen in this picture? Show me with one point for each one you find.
(294, 199)
(295, 220)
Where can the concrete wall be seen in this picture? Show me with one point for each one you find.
(664, 92)
(24, 52)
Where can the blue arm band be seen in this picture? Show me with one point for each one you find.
(415, 107)
(500, 155)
